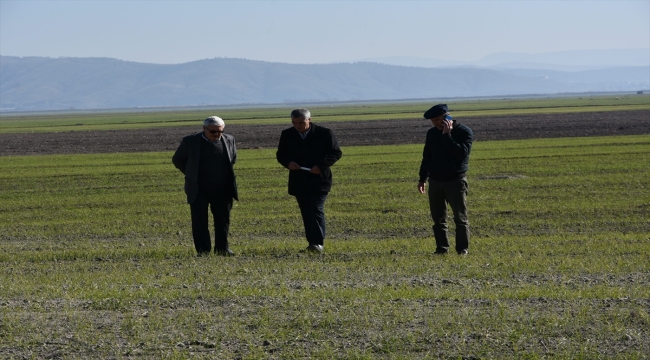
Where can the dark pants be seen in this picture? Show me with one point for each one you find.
(453, 193)
(220, 205)
(312, 208)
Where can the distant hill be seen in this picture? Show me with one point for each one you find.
(35, 83)
(575, 60)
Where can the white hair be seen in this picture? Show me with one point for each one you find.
(214, 120)
(301, 113)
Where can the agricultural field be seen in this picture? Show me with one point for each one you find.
(147, 119)
(546, 123)
(97, 261)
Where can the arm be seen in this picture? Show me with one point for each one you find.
(332, 153)
(283, 154)
(234, 151)
(180, 156)
(424, 173)
(460, 144)
(426, 156)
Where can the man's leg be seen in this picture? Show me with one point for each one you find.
(303, 204)
(200, 231)
(456, 194)
(438, 208)
(220, 205)
(319, 228)
(312, 209)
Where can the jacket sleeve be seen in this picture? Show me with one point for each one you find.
(459, 146)
(283, 154)
(180, 156)
(234, 151)
(426, 155)
(333, 152)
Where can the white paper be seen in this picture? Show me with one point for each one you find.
(305, 168)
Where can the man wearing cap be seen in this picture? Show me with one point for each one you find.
(445, 163)
(206, 159)
(308, 151)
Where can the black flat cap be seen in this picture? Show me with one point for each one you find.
(437, 110)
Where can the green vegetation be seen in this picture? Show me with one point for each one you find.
(276, 115)
(96, 259)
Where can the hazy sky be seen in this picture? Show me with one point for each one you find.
(316, 31)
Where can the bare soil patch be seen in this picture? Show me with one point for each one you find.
(379, 132)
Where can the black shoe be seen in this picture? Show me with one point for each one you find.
(440, 252)
(316, 249)
(224, 252)
(463, 252)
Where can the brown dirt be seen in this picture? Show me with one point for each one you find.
(379, 132)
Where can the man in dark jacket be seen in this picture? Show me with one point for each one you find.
(308, 151)
(207, 160)
(445, 163)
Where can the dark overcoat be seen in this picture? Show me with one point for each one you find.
(187, 158)
(320, 148)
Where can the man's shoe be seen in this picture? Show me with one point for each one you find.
(463, 252)
(317, 249)
(225, 252)
(440, 252)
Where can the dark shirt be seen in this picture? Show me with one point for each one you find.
(214, 168)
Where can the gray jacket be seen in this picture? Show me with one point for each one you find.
(187, 157)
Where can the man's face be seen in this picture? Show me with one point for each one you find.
(213, 132)
(438, 121)
(301, 124)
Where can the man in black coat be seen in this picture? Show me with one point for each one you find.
(308, 151)
(206, 159)
(445, 162)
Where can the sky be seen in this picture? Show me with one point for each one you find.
(171, 32)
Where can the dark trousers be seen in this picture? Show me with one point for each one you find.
(454, 193)
(312, 209)
(220, 205)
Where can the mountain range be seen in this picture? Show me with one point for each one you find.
(38, 83)
(575, 60)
